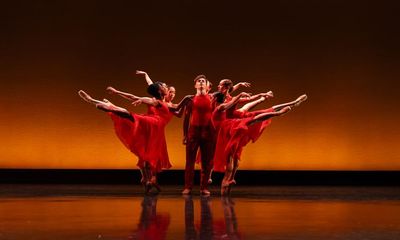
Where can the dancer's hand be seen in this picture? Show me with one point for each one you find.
(244, 84)
(141, 72)
(111, 90)
(137, 102)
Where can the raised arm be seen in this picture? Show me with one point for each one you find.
(146, 76)
(241, 84)
(133, 98)
(233, 101)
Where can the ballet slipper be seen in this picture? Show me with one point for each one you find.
(186, 191)
(300, 99)
(225, 183)
(155, 184)
(147, 187)
(224, 191)
(205, 192)
(87, 98)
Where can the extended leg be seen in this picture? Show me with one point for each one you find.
(191, 151)
(207, 148)
(232, 181)
(106, 105)
(248, 106)
(265, 116)
(228, 173)
(147, 170)
(296, 102)
(154, 181)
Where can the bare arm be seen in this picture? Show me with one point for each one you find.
(134, 98)
(146, 76)
(231, 103)
(147, 100)
(178, 109)
(254, 97)
(178, 113)
(125, 95)
(181, 104)
(241, 84)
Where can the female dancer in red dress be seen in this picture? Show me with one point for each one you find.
(142, 134)
(235, 133)
(169, 97)
(225, 88)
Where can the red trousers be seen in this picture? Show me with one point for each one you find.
(203, 138)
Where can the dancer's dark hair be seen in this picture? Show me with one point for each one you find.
(228, 84)
(154, 90)
(219, 97)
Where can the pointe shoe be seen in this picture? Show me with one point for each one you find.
(157, 187)
(110, 90)
(155, 184)
(205, 192)
(225, 183)
(300, 99)
(187, 191)
(228, 190)
(147, 187)
(86, 96)
(224, 190)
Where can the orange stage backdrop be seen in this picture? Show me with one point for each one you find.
(346, 65)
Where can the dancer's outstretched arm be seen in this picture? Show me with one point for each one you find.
(133, 98)
(125, 95)
(268, 94)
(146, 76)
(261, 98)
(178, 109)
(106, 105)
(231, 103)
(181, 104)
(241, 84)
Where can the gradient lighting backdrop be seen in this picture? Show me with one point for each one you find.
(344, 55)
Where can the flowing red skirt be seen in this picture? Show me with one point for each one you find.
(234, 134)
(144, 137)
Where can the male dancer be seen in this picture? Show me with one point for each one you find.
(199, 134)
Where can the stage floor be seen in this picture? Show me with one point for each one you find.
(123, 212)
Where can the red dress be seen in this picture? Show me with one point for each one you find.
(145, 135)
(234, 133)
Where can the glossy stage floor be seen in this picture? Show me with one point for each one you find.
(123, 212)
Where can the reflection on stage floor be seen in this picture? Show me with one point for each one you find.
(122, 212)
